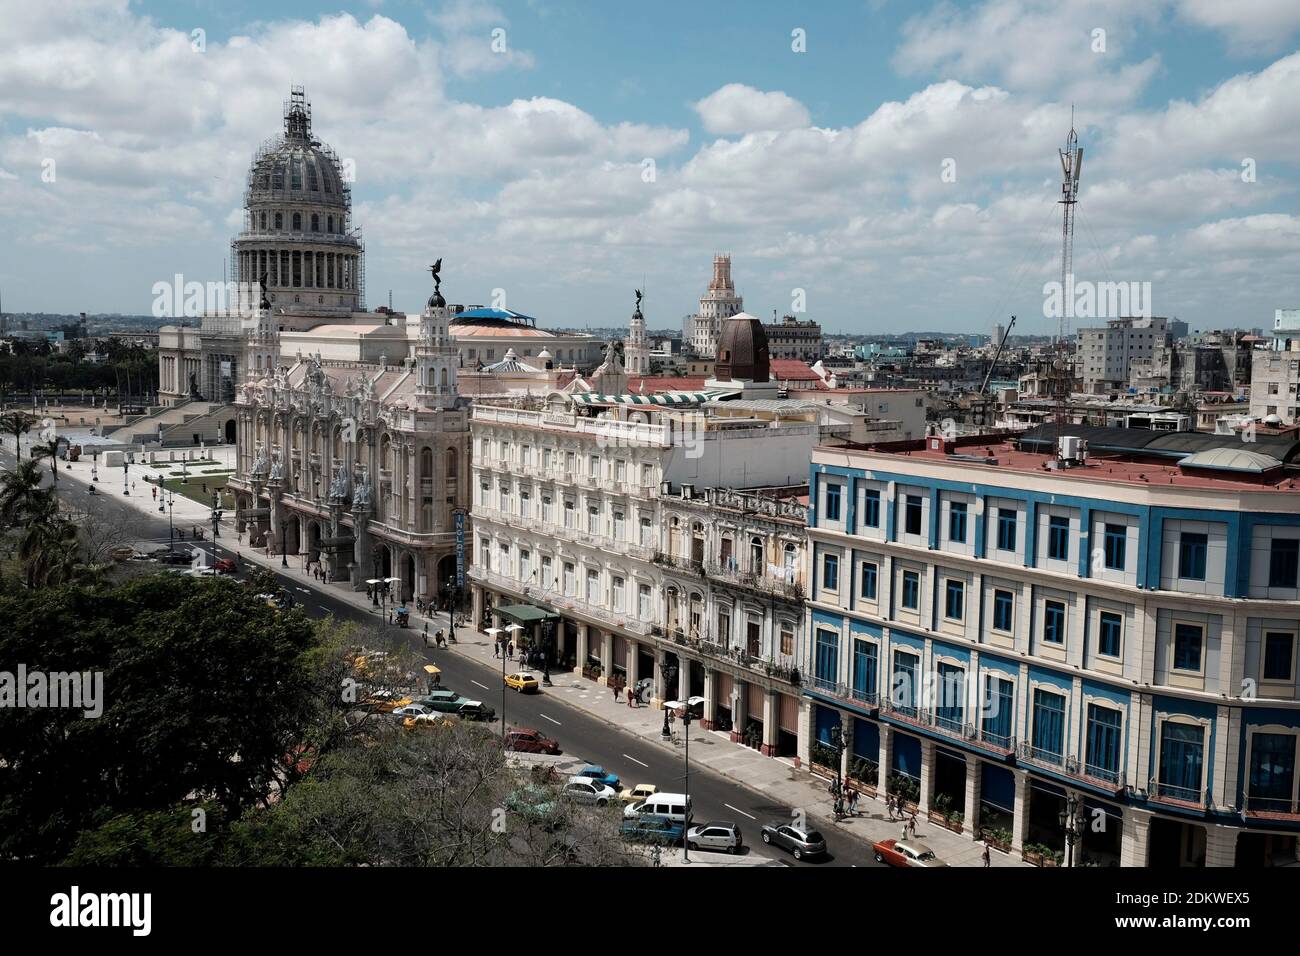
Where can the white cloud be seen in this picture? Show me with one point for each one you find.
(737, 108)
(1250, 25)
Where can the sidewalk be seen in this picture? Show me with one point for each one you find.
(774, 777)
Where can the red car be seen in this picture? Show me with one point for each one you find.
(899, 853)
(225, 565)
(531, 742)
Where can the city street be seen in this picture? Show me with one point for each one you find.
(580, 735)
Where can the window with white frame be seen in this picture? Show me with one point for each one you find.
(617, 589)
(593, 586)
(643, 605)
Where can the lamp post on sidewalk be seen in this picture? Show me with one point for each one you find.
(492, 632)
(1073, 821)
(512, 628)
(670, 674)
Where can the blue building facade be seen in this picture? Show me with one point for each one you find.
(1003, 644)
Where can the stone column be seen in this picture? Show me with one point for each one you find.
(1020, 824)
(606, 656)
(771, 723)
(974, 780)
(1221, 845)
(710, 699)
(560, 640)
(580, 656)
(476, 605)
(739, 711)
(633, 662)
(683, 678)
(661, 689)
(886, 759)
(927, 773)
(1133, 845)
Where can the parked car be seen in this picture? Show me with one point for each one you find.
(531, 742)
(226, 565)
(411, 710)
(671, 806)
(523, 682)
(585, 790)
(532, 803)
(429, 721)
(898, 853)
(801, 843)
(602, 776)
(638, 793)
(653, 829)
(173, 557)
(476, 710)
(386, 701)
(445, 701)
(715, 836)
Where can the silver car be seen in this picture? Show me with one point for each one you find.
(586, 790)
(715, 836)
(800, 843)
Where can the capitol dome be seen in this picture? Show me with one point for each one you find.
(298, 228)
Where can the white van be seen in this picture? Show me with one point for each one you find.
(674, 806)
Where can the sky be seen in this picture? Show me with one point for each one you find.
(880, 166)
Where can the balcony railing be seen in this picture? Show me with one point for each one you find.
(1172, 793)
(792, 589)
(771, 667)
(1272, 806)
(1040, 755)
(674, 561)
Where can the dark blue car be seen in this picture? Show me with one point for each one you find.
(601, 775)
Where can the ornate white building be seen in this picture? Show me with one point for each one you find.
(357, 462)
(636, 352)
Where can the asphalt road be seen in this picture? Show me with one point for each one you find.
(633, 759)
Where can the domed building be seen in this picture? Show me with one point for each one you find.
(298, 222)
(742, 360)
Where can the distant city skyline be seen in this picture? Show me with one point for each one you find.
(894, 161)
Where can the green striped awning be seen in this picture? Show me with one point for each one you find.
(657, 398)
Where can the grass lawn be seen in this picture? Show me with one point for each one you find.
(194, 489)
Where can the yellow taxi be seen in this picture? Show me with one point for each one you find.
(427, 722)
(638, 793)
(523, 682)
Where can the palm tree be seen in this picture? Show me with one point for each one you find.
(17, 424)
(50, 450)
(49, 552)
(22, 499)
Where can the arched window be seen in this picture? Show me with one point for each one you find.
(315, 222)
(756, 554)
(263, 222)
(297, 222)
(452, 466)
(329, 224)
(442, 378)
(279, 220)
(426, 462)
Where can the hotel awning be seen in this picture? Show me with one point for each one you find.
(527, 613)
(668, 399)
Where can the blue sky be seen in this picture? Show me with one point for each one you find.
(818, 170)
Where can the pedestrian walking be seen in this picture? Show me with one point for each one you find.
(629, 696)
(853, 802)
(904, 837)
(614, 686)
(426, 633)
(911, 824)
(154, 491)
(984, 857)
(510, 650)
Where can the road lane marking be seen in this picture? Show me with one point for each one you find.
(552, 720)
(740, 811)
(477, 684)
(634, 760)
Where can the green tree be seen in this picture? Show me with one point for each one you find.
(206, 691)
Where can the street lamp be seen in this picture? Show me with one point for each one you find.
(492, 632)
(94, 466)
(1073, 821)
(171, 515)
(670, 674)
(284, 545)
(686, 777)
(126, 466)
(216, 515)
